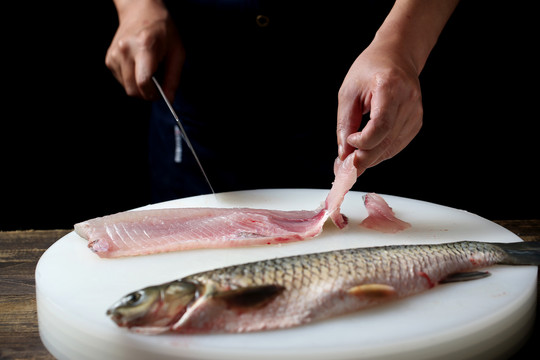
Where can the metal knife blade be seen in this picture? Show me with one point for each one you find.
(183, 132)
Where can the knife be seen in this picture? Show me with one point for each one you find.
(183, 132)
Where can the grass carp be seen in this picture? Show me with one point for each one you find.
(296, 290)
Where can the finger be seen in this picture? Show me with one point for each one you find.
(403, 139)
(122, 57)
(116, 72)
(174, 63)
(113, 61)
(337, 165)
(127, 70)
(383, 115)
(348, 121)
(358, 164)
(146, 65)
(394, 143)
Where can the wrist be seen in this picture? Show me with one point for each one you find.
(394, 45)
(413, 27)
(127, 8)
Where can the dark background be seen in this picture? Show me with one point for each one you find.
(74, 146)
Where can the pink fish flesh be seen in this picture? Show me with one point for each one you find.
(381, 217)
(162, 230)
(153, 231)
(346, 175)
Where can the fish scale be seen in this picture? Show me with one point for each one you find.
(386, 265)
(284, 292)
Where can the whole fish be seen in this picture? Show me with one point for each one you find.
(291, 291)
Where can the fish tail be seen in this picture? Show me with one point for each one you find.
(520, 253)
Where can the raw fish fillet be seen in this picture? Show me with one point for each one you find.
(381, 217)
(162, 230)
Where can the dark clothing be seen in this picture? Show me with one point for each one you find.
(258, 93)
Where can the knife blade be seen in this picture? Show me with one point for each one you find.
(183, 132)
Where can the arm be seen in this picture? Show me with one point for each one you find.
(146, 37)
(383, 80)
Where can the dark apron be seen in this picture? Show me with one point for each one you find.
(258, 93)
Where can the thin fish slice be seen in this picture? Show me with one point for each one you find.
(381, 217)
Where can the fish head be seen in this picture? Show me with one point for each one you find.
(153, 309)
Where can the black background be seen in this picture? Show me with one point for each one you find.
(74, 146)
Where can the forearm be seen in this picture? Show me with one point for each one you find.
(413, 26)
(125, 7)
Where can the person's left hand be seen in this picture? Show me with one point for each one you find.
(383, 82)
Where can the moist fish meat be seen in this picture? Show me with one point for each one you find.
(381, 217)
(162, 230)
(152, 231)
(291, 291)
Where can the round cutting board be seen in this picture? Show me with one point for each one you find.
(486, 317)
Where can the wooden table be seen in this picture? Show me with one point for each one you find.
(21, 250)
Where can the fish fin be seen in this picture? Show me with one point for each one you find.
(249, 297)
(149, 330)
(379, 291)
(465, 276)
(520, 253)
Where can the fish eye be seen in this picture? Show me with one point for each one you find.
(133, 298)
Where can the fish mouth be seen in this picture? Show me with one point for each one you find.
(117, 318)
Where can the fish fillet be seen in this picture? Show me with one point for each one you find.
(153, 231)
(162, 230)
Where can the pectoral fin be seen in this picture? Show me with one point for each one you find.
(375, 291)
(465, 276)
(250, 297)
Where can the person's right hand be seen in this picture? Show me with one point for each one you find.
(146, 36)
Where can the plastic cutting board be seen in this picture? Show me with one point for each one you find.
(486, 317)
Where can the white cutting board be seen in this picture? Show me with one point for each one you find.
(486, 317)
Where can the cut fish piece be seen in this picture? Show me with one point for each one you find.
(381, 217)
(153, 231)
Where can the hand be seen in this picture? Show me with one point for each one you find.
(146, 36)
(384, 83)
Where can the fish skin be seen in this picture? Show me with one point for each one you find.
(305, 288)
